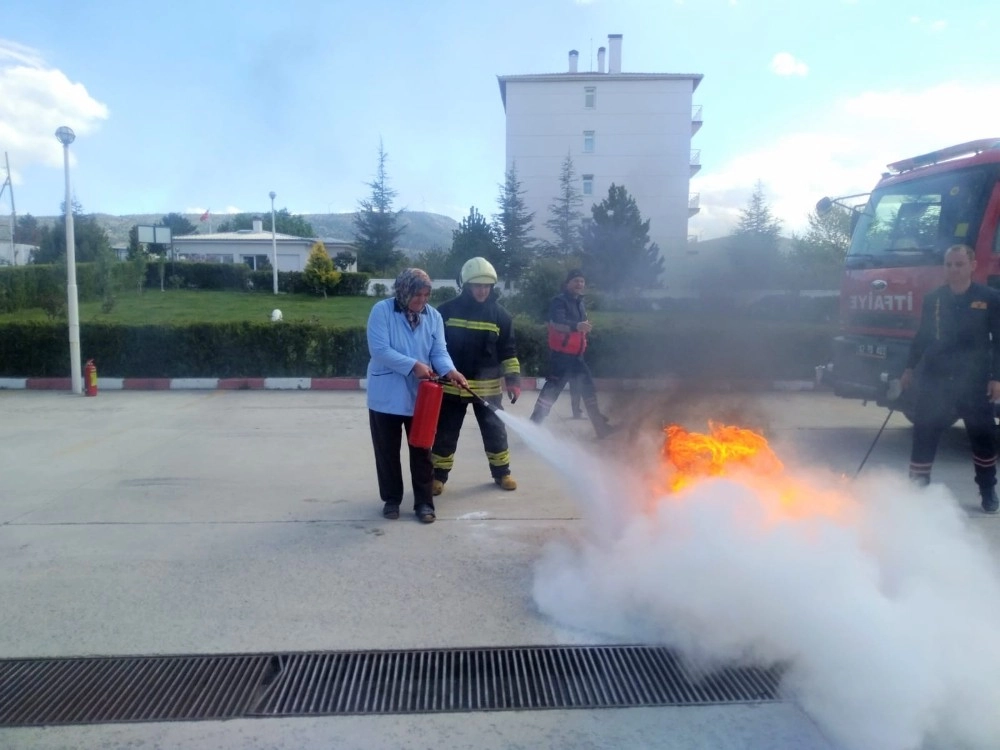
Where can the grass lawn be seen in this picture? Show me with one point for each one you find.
(154, 307)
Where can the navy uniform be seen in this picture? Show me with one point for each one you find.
(480, 335)
(954, 355)
(566, 363)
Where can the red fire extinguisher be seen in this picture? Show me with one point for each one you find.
(90, 378)
(425, 414)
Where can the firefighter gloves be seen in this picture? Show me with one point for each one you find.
(514, 393)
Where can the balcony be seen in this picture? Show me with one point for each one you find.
(693, 204)
(695, 119)
(695, 161)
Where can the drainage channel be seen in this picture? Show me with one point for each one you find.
(37, 692)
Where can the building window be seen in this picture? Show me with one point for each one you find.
(588, 141)
(590, 97)
(588, 184)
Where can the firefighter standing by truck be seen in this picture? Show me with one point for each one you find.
(480, 337)
(954, 368)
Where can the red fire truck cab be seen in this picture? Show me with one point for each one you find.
(922, 206)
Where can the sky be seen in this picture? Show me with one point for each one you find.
(211, 105)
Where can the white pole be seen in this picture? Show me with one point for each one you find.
(66, 137)
(274, 246)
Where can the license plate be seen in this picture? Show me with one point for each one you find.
(874, 351)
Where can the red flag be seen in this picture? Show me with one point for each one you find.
(204, 216)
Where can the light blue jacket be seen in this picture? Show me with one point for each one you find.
(394, 348)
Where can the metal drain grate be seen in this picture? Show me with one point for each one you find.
(70, 691)
(158, 688)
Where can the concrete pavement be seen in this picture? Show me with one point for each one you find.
(231, 521)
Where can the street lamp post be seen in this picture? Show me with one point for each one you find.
(274, 246)
(66, 136)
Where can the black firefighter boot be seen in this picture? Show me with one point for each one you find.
(988, 495)
(600, 422)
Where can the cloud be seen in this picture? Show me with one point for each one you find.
(19, 53)
(784, 64)
(844, 154)
(34, 101)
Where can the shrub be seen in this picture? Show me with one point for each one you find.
(443, 294)
(320, 274)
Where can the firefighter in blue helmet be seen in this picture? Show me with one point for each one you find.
(480, 337)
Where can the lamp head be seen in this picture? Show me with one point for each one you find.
(272, 194)
(65, 135)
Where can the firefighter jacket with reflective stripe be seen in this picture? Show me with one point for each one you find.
(567, 310)
(480, 337)
(959, 337)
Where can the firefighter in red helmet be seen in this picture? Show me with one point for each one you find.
(480, 337)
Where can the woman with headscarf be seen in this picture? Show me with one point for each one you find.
(406, 342)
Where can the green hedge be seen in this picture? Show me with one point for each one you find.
(717, 349)
(293, 282)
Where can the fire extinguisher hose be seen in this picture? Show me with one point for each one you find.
(480, 399)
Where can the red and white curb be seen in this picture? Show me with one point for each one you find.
(360, 384)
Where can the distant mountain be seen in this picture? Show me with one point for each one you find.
(423, 231)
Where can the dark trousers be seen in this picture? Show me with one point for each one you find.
(387, 434)
(574, 397)
(563, 368)
(494, 434)
(938, 405)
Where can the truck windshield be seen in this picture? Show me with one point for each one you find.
(913, 222)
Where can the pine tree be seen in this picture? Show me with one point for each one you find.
(754, 246)
(617, 252)
(565, 214)
(512, 228)
(376, 225)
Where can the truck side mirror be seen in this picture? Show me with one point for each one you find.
(824, 206)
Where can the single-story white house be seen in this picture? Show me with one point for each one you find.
(253, 246)
(17, 254)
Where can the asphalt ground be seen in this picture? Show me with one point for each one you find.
(241, 521)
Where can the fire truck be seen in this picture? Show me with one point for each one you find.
(920, 207)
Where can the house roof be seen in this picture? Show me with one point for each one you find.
(594, 76)
(240, 237)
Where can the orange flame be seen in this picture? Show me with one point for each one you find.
(745, 456)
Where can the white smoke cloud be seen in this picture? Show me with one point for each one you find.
(845, 152)
(34, 101)
(884, 612)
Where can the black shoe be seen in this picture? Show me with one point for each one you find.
(425, 514)
(990, 502)
(607, 429)
(390, 511)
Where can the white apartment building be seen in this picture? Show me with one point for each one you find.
(630, 129)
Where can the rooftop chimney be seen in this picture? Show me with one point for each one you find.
(615, 53)
(574, 56)
(258, 225)
(600, 59)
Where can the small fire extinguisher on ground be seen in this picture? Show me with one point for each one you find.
(425, 414)
(90, 378)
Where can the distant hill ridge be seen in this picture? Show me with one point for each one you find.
(423, 230)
